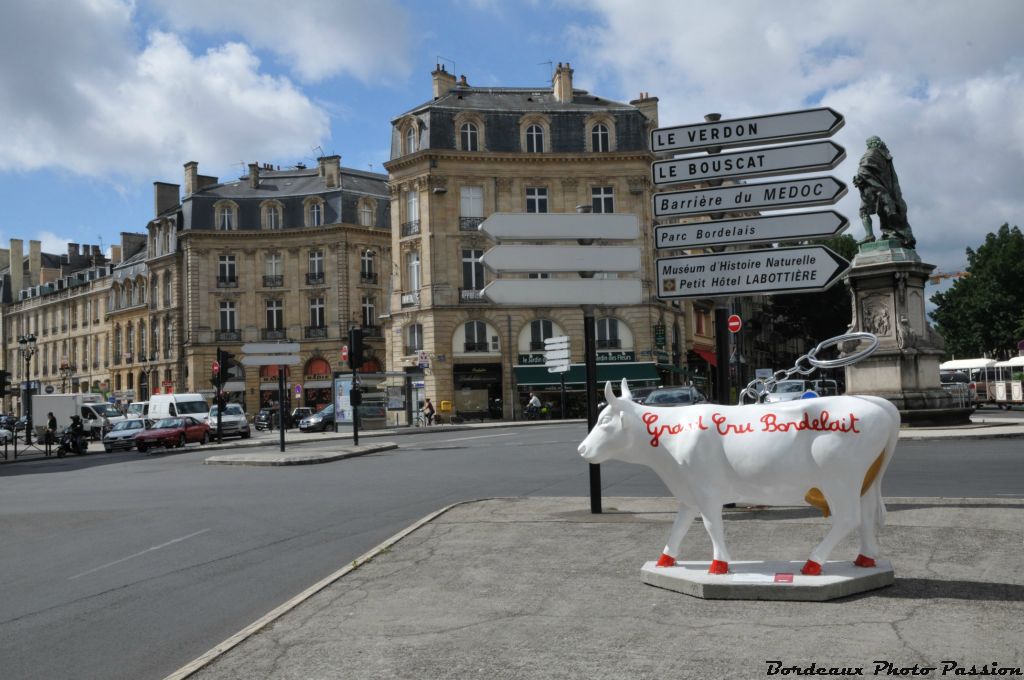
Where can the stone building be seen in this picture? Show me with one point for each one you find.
(472, 151)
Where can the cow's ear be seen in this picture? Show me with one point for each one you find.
(609, 395)
(626, 394)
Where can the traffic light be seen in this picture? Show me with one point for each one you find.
(5, 384)
(224, 358)
(355, 348)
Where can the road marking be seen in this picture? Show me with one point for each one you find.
(143, 552)
(482, 436)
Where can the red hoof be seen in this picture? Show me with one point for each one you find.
(718, 567)
(666, 561)
(812, 568)
(863, 561)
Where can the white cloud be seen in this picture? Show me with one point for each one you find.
(85, 98)
(316, 39)
(940, 82)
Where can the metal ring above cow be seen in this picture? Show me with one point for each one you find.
(849, 359)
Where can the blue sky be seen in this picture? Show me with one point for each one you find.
(107, 96)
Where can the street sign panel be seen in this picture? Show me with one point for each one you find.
(777, 127)
(776, 160)
(750, 272)
(735, 323)
(562, 368)
(270, 359)
(760, 229)
(556, 342)
(560, 226)
(743, 197)
(270, 348)
(550, 354)
(549, 258)
(554, 292)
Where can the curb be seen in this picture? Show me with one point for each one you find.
(272, 459)
(259, 624)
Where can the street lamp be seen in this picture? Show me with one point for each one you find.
(27, 347)
(66, 370)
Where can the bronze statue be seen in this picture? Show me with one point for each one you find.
(880, 195)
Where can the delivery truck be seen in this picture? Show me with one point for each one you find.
(98, 417)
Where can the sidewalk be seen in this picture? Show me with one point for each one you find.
(541, 588)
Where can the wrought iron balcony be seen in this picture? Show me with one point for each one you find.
(410, 228)
(316, 331)
(227, 282)
(368, 277)
(610, 343)
(470, 295)
(372, 332)
(410, 299)
(273, 281)
(231, 335)
(537, 345)
(470, 223)
(315, 278)
(476, 346)
(117, 359)
(273, 334)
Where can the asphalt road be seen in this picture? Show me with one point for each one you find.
(124, 566)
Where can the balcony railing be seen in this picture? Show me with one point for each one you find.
(470, 223)
(315, 278)
(273, 334)
(470, 295)
(371, 332)
(167, 353)
(117, 359)
(316, 331)
(227, 282)
(410, 299)
(273, 281)
(412, 350)
(368, 277)
(229, 335)
(476, 346)
(410, 228)
(610, 343)
(537, 345)
(95, 364)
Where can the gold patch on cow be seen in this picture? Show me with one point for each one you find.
(815, 498)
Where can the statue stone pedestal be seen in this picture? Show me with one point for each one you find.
(887, 284)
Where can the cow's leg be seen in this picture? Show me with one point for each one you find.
(711, 513)
(684, 518)
(870, 507)
(845, 505)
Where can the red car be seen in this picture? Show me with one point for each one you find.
(173, 432)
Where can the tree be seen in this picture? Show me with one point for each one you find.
(983, 313)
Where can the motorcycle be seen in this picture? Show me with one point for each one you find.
(70, 442)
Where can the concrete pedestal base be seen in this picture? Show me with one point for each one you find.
(769, 580)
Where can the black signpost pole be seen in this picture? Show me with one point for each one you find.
(280, 402)
(590, 357)
(562, 410)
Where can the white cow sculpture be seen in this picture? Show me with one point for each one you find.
(830, 452)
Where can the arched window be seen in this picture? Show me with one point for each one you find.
(141, 286)
(272, 216)
(476, 336)
(410, 139)
(599, 139)
(315, 216)
(365, 214)
(468, 136)
(534, 139)
(225, 217)
(607, 332)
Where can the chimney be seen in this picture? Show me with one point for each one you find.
(330, 170)
(115, 254)
(254, 175)
(191, 177)
(648, 106)
(17, 267)
(443, 81)
(165, 197)
(35, 262)
(561, 84)
(73, 250)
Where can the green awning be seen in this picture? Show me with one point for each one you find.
(633, 371)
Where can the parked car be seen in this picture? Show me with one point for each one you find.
(266, 419)
(8, 423)
(233, 422)
(173, 432)
(789, 390)
(958, 381)
(122, 436)
(675, 396)
(319, 421)
(298, 413)
(6, 436)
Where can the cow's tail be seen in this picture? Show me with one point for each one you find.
(887, 453)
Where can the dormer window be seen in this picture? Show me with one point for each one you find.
(410, 139)
(599, 138)
(314, 212)
(468, 136)
(225, 216)
(272, 215)
(534, 139)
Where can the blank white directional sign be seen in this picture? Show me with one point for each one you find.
(789, 193)
(556, 342)
(752, 131)
(553, 292)
(759, 229)
(270, 359)
(270, 348)
(774, 271)
(520, 258)
(560, 226)
(777, 160)
(551, 354)
(556, 354)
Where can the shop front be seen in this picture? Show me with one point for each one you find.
(268, 388)
(477, 391)
(317, 382)
(547, 386)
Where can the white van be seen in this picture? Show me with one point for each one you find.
(138, 409)
(173, 405)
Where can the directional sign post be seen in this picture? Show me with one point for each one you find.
(560, 226)
(777, 160)
(760, 229)
(556, 358)
(756, 130)
(548, 258)
(278, 354)
(772, 272)
(791, 193)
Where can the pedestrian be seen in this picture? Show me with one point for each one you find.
(428, 411)
(51, 427)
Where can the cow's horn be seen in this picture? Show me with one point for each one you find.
(625, 394)
(609, 394)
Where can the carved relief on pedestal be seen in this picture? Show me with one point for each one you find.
(875, 316)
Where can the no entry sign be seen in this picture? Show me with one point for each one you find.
(735, 323)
